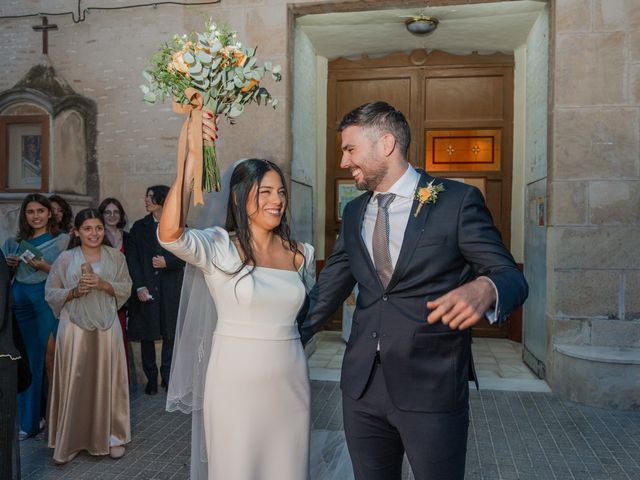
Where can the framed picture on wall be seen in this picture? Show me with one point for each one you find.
(345, 192)
(25, 159)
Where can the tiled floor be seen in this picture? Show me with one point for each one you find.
(498, 363)
(523, 435)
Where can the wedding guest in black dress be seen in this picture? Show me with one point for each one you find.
(9, 356)
(115, 219)
(62, 213)
(157, 280)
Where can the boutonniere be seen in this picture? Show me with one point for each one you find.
(428, 194)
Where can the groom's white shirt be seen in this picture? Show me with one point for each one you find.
(399, 211)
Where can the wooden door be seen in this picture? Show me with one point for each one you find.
(460, 109)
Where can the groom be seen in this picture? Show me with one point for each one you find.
(426, 273)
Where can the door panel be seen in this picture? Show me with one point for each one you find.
(474, 97)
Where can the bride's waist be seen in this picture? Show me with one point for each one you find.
(262, 331)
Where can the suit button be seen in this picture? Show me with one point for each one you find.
(156, 272)
(385, 298)
(374, 334)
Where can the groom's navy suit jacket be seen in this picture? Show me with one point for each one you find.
(449, 243)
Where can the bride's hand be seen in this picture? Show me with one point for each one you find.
(209, 128)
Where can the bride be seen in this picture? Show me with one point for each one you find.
(256, 405)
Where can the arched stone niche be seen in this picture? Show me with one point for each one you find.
(72, 163)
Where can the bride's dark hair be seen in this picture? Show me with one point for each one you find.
(247, 175)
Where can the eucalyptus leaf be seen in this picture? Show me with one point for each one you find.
(196, 70)
(274, 103)
(216, 79)
(188, 58)
(150, 97)
(204, 57)
(236, 111)
(147, 76)
(276, 69)
(268, 65)
(216, 45)
(216, 63)
(238, 83)
(144, 88)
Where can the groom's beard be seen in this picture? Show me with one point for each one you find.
(371, 177)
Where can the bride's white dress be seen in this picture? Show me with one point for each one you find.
(257, 395)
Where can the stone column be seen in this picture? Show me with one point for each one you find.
(593, 309)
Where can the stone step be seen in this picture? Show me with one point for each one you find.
(619, 355)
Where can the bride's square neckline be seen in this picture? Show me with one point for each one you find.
(235, 247)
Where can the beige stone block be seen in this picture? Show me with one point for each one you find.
(632, 295)
(587, 293)
(614, 202)
(634, 84)
(634, 46)
(615, 15)
(568, 203)
(267, 27)
(596, 247)
(69, 167)
(615, 333)
(569, 331)
(573, 15)
(590, 69)
(591, 143)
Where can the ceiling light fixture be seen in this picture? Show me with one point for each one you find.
(422, 25)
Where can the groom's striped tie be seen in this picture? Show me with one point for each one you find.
(380, 240)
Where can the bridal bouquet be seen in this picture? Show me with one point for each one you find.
(209, 70)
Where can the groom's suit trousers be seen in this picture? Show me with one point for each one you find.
(378, 434)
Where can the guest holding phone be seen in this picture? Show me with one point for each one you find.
(29, 255)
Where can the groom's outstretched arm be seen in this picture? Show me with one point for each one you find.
(332, 288)
(480, 243)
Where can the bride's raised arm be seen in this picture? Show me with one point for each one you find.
(176, 205)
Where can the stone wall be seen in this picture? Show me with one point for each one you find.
(103, 57)
(594, 200)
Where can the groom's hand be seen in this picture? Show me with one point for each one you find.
(463, 307)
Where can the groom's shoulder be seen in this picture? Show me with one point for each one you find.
(455, 188)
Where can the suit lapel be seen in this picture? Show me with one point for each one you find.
(415, 227)
(362, 208)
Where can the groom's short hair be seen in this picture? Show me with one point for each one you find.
(382, 117)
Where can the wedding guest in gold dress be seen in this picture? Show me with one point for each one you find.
(89, 408)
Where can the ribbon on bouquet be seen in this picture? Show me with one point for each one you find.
(190, 142)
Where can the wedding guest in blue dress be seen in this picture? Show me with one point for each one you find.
(38, 232)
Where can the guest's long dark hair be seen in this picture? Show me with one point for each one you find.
(247, 175)
(81, 217)
(67, 213)
(25, 231)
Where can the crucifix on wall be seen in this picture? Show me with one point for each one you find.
(45, 27)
